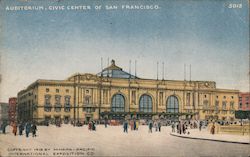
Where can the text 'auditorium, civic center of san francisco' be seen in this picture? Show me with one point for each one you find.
(116, 94)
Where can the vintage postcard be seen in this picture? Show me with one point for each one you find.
(124, 78)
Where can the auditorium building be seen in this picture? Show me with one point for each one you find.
(116, 94)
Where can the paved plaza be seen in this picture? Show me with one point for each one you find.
(112, 141)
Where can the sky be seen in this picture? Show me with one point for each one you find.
(54, 44)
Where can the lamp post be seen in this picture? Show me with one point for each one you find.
(74, 100)
(78, 98)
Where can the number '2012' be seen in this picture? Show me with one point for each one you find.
(231, 5)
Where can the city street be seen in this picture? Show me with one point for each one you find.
(112, 141)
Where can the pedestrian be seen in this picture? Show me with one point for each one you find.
(125, 126)
(20, 127)
(4, 128)
(150, 125)
(27, 129)
(173, 127)
(131, 125)
(90, 126)
(156, 126)
(159, 126)
(200, 126)
(34, 129)
(106, 123)
(213, 129)
(134, 125)
(93, 126)
(178, 130)
(195, 124)
(180, 127)
(137, 124)
(14, 128)
(184, 127)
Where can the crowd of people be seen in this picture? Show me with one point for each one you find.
(180, 127)
(28, 127)
(134, 125)
(92, 126)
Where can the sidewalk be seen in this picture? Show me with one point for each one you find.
(205, 135)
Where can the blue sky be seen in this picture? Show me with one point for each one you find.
(55, 44)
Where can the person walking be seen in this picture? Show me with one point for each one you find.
(150, 125)
(134, 124)
(137, 124)
(180, 127)
(200, 126)
(20, 127)
(27, 129)
(213, 129)
(184, 128)
(14, 129)
(159, 126)
(173, 127)
(34, 129)
(90, 126)
(156, 126)
(106, 123)
(125, 126)
(93, 126)
(131, 125)
(4, 127)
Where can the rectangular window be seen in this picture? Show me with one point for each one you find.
(87, 100)
(57, 90)
(216, 105)
(47, 104)
(231, 105)
(105, 96)
(224, 105)
(188, 99)
(161, 99)
(58, 103)
(240, 105)
(67, 104)
(205, 103)
(134, 97)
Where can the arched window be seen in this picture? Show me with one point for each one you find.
(145, 103)
(118, 103)
(172, 104)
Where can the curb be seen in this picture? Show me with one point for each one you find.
(205, 139)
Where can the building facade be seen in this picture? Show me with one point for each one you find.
(87, 96)
(244, 101)
(4, 108)
(12, 109)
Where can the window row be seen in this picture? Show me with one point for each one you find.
(246, 105)
(57, 90)
(56, 109)
(65, 109)
(57, 100)
(246, 98)
(145, 104)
